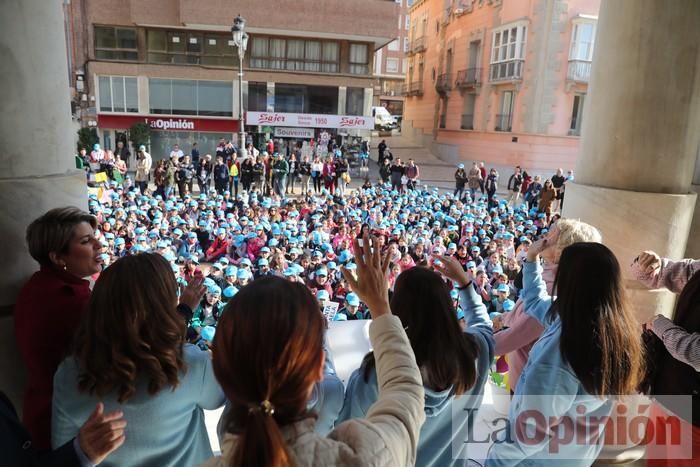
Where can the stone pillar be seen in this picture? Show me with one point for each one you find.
(37, 168)
(640, 134)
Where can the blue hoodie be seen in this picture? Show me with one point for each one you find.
(436, 435)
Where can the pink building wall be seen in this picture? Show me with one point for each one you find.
(544, 97)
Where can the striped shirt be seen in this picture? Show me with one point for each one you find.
(673, 275)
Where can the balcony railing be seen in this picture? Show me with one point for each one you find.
(443, 83)
(469, 78)
(418, 44)
(506, 71)
(579, 70)
(467, 122)
(504, 122)
(412, 89)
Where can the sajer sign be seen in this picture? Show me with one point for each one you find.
(309, 120)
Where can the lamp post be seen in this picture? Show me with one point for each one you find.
(240, 41)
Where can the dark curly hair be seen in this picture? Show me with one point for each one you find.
(131, 330)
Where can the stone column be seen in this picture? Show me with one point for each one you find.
(640, 134)
(37, 168)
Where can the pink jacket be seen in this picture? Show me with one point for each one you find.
(523, 331)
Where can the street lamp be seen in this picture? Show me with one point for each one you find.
(240, 41)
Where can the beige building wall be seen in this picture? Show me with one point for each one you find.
(543, 95)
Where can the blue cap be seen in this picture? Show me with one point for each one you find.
(503, 288)
(231, 271)
(323, 295)
(214, 290)
(471, 264)
(263, 262)
(220, 231)
(352, 299)
(243, 274)
(508, 305)
(454, 294)
(321, 272)
(230, 291)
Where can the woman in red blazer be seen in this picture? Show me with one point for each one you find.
(50, 305)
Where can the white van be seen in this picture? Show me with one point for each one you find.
(383, 119)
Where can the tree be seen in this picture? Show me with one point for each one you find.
(87, 138)
(139, 134)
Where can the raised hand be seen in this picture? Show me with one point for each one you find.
(649, 262)
(449, 267)
(193, 293)
(371, 283)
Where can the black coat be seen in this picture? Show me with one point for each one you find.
(16, 447)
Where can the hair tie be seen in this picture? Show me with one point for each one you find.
(265, 407)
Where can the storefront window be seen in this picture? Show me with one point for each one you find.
(257, 97)
(188, 97)
(289, 98)
(322, 100)
(162, 142)
(355, 101)
(118, 94)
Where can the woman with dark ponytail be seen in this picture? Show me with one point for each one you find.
(268, 356)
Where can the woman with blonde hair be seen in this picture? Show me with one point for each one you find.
(131, 353)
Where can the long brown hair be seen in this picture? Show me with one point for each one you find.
(131, 330)
(444, 353)
(268, 347)
(600, 336)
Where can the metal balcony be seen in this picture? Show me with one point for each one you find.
(579, 71)
(469, 78)
(467, 122)
(412, 89)
(511, 70)
(504, 122)
(418, 44)
(443, 83)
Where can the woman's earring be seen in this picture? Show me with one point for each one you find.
(65, 267)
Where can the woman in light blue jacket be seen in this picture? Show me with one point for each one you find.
(590, 352)
(131, 354)
(452, 362)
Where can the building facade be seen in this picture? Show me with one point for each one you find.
(391, 64)
(500, 81)
(172, 64)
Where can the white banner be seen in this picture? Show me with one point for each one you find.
(286, 132)
(309, 120)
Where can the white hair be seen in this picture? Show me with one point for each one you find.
(574, 231)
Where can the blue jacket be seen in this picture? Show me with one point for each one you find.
(166, 429)
(440, 430)
(548, 385)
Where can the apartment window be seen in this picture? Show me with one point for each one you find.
(582, 41)
(508, 52)
(188, 48)
(116, 43)
(577, 114)
(294, 54)
(504, 120)
(394, 45)
(359, 59)
(355, 101)
(406, 44)
(392, 65)
(407, 23)
(289, 98)
(191, 97)
(404, 65)
(257, 97)
(118, 94)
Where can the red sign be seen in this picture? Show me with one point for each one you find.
(160, 123)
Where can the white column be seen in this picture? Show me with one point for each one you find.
(640, 134)
(37, 167)
(342, 99)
